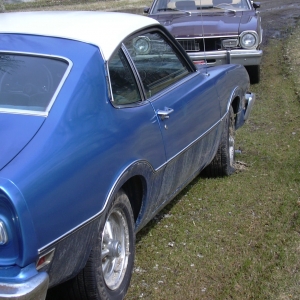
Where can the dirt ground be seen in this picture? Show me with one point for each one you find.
(278, 18)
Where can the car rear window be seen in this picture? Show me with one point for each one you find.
(28, 83)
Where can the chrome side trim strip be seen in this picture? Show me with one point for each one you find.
(192, 143)
(23, 112)
(206, 132)
(208, 37)
(222, 53)
(230, 99)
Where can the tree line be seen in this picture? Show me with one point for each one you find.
(2, 7)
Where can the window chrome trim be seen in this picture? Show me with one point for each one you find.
(144, 99)
(136, 78)
(135, 72)
(176, 51)
(48, 108)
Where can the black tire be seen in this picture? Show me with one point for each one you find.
(223, 163)
(108, 270)
(254, 73)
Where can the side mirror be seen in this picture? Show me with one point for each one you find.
(256, 5)
(146, 10)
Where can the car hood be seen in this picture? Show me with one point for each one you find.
(185, 25)
(15, 133)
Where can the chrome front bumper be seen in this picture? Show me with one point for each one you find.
(33, 289)
(239, 57)
(250, 99)
(245, 110)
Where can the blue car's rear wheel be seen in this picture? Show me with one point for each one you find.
(115, 246)
(108, 270)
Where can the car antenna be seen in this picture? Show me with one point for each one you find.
(204, 51)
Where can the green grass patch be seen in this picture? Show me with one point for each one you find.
(112, 5)
(234, 237)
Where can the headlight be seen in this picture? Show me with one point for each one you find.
(249, 40)
(142, 45)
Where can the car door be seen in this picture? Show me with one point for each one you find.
(185, 102)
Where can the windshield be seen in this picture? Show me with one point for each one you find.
(206, 5)
(29, 83)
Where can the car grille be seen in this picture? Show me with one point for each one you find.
(211, 44)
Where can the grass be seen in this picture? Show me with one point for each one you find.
(113, 5)
(234, 237)
(292, 56)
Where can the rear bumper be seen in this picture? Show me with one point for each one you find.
(239, 57)
(34, 288)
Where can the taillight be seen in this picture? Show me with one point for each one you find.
(3, 233)
(45, 259)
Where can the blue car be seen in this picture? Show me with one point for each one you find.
(101, 126)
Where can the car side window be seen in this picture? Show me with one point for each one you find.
(157, 62)
(124, 87)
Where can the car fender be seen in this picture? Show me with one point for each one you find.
(232, 86)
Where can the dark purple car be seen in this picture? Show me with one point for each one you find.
(214, 31)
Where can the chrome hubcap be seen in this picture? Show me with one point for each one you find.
(115, 249)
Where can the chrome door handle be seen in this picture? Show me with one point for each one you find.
(164, 113)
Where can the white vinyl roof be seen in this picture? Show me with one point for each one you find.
(103, 29)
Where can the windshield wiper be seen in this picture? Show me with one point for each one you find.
(167, 8)
(225, 8)
(174, 9)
